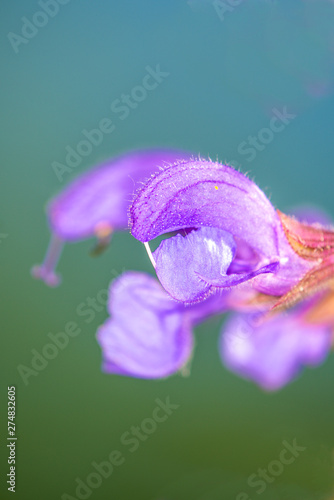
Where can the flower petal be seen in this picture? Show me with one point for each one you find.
(272, 353)
(99, 199)
(149, 335)
(202, 193)
(292, 269)
(191, 267)
(184, 265)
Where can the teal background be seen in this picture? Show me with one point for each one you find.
(225, 78)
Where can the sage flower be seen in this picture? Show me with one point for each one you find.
(234, 234)
(228, 250)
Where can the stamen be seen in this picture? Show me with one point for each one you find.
(103, 231)
(100, 247)
(149, 253)
(46, 271)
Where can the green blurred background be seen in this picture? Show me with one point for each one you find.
(226, 76)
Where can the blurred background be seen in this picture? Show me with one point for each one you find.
(229, 66)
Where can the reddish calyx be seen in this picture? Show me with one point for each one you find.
(315, 244)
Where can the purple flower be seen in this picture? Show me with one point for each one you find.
(149, 335)
(273, 352)
(228, 233)
(191, 267)
(234, 234)
(231, 250)
(96, 204)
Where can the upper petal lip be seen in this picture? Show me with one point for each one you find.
(186, 195)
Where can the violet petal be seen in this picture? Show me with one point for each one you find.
(273, 352)
(190, 267)
(202, 193)
(100, 197)
(149, 335)
(96, 204)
